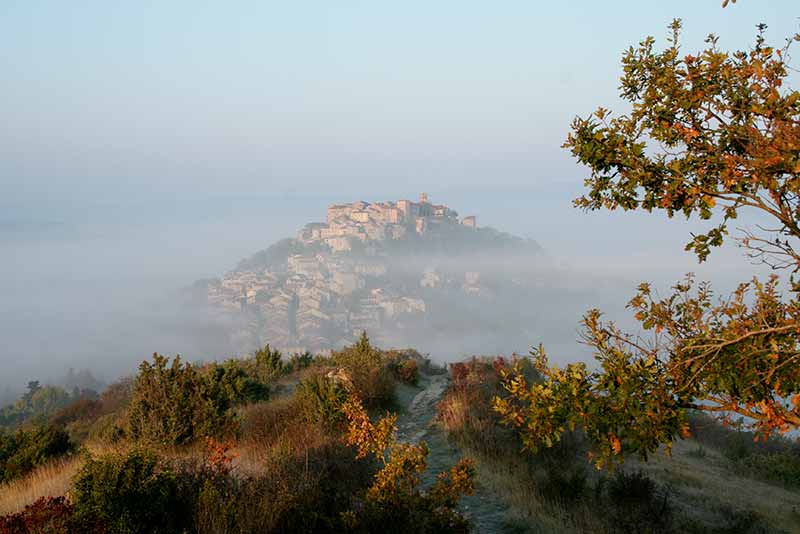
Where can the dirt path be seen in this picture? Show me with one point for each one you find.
(486, 512)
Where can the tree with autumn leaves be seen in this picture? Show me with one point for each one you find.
(395, 502)
(708, 135)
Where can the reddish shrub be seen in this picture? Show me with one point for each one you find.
(408, 372)
(459, 372)
(81, 409)
(499, 364)
(53, 515)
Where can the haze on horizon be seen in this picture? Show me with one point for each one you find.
(143, 146)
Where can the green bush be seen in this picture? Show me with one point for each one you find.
(365, 367)
(131, 493)
(269, 364)
(23, 450)
(231, 383)
(299, 362)
(177, 404)
(216, 507)
(321, 399)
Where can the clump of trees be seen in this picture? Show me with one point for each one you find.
(23, 450)
(40, 402)
(177, 403)
(708, 135)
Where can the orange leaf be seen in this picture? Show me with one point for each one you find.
(616, 446)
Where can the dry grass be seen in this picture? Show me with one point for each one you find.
(705, 488)
(50, 480)
(274, 435)
(509, 479)
(465, 414)
(275, 432)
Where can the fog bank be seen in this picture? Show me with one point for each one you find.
(100, 288)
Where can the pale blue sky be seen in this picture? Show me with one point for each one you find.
(144, 144)
(105, 98)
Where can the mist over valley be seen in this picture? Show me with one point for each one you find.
(104, 286)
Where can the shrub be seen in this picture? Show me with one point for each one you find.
(699, 452)
(117, 396)
(743, 522)
(631, 489)
(394, 502)
(405, 365)
(458, 373)
(263, 423)
(638, 504)
(775, 459)
(307, 479)
(231, 384)
(176, 404)
(216, 508)
(51, 515)
(306, 491)
(408, 372)
(364, 366)
(298, 362)
(39, 403)
(320, 399)
(473, 372)
(269, 364)
(24, 450)
(131, 493)
(466, 413)
(565, 486)
(81, 409)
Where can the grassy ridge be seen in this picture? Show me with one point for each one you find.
(557, 489)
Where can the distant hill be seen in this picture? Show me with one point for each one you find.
(397, 269)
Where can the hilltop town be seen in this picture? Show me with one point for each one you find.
(348, 274)
(362, 222)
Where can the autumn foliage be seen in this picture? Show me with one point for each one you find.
(396, 487)
(709, 134)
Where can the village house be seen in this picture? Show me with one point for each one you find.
(345, 283)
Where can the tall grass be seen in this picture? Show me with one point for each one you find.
(49, 480)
